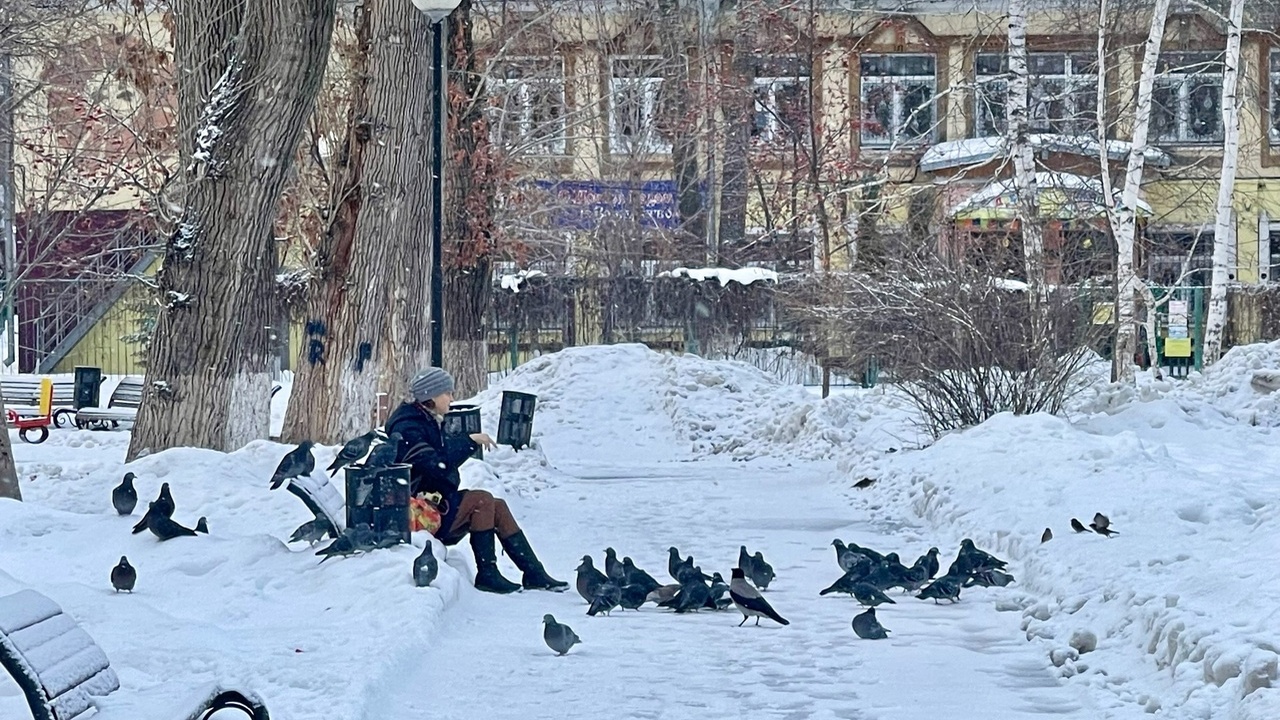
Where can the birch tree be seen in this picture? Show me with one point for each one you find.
(1223, 235)
(1024, 173)
(1123, 215)
(248, 74)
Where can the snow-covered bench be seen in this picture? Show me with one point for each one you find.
(22, 393)
(60, 669)
(121, 407)
(322, 499)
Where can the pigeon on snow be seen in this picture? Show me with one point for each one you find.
(202, 525)
(633, 575)
(612, 568)
(1046, 536)
(124, 497)
(312, 531)
(425, 567)
(166, 528)
(870, 595)
(123, 576)
(606, 598)
(162, 507)
(1102, 525)
(749, 601)
(1078, 526)
(589, 579)
(559, 638)
(761, 571)
(867, 627)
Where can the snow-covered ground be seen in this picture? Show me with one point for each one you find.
(641, 451)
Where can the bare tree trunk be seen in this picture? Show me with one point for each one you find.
(344, 360)
(9, 487)
(469, 223)
(248, 75)
(1124, 217)
(738, 103)
(1024, 179)
(1223, 236)
(681, 114)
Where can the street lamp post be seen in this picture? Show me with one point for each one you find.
(438, 12)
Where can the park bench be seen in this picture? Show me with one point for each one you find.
(22, 395)
(121, 407)
(61, 670)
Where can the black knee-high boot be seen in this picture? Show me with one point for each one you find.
(488, 578)
(535, 576)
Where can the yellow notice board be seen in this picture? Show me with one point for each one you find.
(1177, 347)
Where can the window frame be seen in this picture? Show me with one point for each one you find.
(557, 143)
(1273, 99)
(1179, 77)
(1076, 121)
(894, 137)
(775, 129)
(653, 143)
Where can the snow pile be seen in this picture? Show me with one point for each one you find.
(645, 404)
(1240, 388)
(742, 276)
(1174, 613)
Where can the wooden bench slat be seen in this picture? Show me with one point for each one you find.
(25, 608)
(61, 652)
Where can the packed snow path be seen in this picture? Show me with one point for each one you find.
(488, 659)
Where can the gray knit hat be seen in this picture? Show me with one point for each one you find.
(430, 383)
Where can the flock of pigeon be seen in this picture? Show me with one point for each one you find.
(866, 576)
(158, 519)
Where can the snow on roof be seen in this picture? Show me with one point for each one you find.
(513, 281)
(743, 276)
(975, 151)
(1080, 196)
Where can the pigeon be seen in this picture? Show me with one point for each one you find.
(989, 578)
(351, 451)
(719, 588)
(633, 575)
(606, 598)
(870, 554)
(125, 496)
(312, 531)
(296, 463)
(558, 637)
(749, 601)
(166, 528)
(870, 595)
(944, 588)
(864, 483)
(384, 454)
(425, 567)
(844, 556)
(848, 580)
(1078, 526)
(162, 507)
(867, 627)
(1046, 536)
(745, 560)
(633, 596)
(674, 560)
(678, 568)
(123, 576)
(1102, 525)
(612, 568)
(662, 594)
(693, 596)
(202, 525)
(589, 579)
(389, 538)
(343, 546)
(930, 562)
(978, 559)
(762, 572)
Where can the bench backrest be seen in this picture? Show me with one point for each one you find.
(54, 661)
(128, 393)
(25, 390)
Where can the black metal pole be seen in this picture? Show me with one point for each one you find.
(437, 192)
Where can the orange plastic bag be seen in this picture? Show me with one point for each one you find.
(423, 515)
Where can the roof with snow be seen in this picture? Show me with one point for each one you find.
(1060, 195)
(976, 151)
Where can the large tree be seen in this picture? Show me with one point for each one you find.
(347, 356)
(248, 73)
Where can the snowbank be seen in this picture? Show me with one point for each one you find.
(646, 404)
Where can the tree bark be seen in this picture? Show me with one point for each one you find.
(1124, 217)
(738, 102)
(1024, 179)
(468, 224)
(248, 76)
(345, 362)
(681, 116)
(9, 487)
(1223, 236)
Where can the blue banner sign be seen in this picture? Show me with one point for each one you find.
(582, 204)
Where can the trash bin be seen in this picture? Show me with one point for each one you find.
(515, 420)
(379, 498)
(88, 387)
(462, 421)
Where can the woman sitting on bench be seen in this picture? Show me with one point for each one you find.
(476, 512)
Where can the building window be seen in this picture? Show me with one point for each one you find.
(527, 100)
(635, 96)
(1187, 100)
(1274, 133)
(781, 87)
(1063, 93)
(897, 99)
(1180, 258)
(1270, 270)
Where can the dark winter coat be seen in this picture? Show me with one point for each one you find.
(434, 461)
